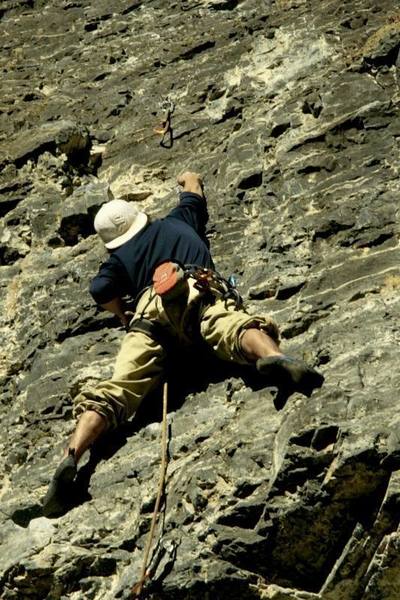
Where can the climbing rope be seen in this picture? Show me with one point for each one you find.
(145, 572)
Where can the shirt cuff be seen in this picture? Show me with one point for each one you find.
(184, 195)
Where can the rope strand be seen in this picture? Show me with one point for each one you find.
(145, 573)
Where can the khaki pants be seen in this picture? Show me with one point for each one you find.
(140, 362)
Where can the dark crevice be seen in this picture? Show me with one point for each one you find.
(287, 292)
(35, 154)
(230, 113)
(371, 243)
(310, 140)
(251, 181)
(312, 108)
(278, 130)
(74, 228)
(354, 123)
(310, 169)
(331, 228)
(9, 256)
(354, 23)
(7, 206)
(104, 17)
(131, 8)
(227, 5)
(324, 437)
(30, 97)
(245, 517)
(388, 59)
(91, 26)
(360, 295)
(129, 544)
(245, 489)
(317, 438)
(189, 54)
(101, 76)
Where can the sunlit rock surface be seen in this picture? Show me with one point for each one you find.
(290, 110)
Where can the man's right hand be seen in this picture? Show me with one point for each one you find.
(191, 182)
(116, 306)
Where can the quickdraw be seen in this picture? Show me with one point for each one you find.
(211, 281)
(165, 127)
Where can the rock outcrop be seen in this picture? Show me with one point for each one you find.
(290, 109)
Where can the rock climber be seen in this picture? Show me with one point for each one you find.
(138, 247)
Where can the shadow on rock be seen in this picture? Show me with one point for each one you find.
(23, 516)
(186, 374)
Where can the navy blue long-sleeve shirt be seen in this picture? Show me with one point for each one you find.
(179, 236)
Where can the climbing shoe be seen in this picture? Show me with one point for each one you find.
(289, 375)
(59, 496)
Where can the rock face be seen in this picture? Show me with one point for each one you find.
(290, 109)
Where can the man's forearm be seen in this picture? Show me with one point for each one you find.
(116, 306)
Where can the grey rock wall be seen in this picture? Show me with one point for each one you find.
(290, 109)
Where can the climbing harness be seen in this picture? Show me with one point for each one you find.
(145, 572)
(213, 283)
(170, 280)
(171, 284)
(165, 127)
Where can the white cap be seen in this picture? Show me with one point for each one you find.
(118, 221)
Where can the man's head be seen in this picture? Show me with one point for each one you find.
(118, 221)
